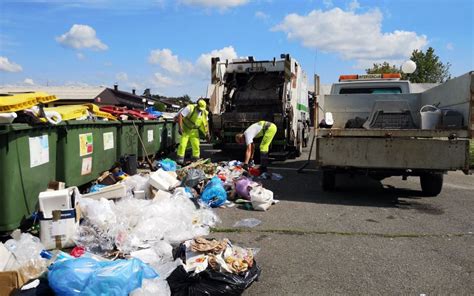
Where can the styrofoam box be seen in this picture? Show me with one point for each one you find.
(54, 200)
(115, 191)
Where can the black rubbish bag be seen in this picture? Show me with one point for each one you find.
(210, 282)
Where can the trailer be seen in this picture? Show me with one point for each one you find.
(379, 131)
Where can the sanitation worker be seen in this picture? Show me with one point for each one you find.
(264, 129)
(192, 120)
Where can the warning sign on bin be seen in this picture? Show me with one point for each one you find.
(86, 144)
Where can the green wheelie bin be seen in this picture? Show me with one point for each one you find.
(150, 134)
(27, 165)
(85, 150)
(127, 138)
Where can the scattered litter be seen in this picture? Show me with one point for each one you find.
(168, 164)
(248, 222)
(261, 198)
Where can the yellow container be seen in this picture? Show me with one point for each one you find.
(11, 102)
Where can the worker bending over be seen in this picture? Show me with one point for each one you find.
(192, 120)
(264, 129)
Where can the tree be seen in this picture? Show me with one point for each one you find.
(429, 69)
(385, 67)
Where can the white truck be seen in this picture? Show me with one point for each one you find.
(244, 91)
(380, 127)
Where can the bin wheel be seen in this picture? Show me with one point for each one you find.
(328, 181)
(431, 184)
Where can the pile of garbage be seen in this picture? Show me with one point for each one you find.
(139, 234)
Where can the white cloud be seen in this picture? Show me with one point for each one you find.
(261, 15)
(8, 66)
(177, 72)
(354, 5)
(121, 76)
(81, 36)
(163, 81)
(450, 46)
(80, 56)
(353, 36)
(28, 81)
(169, 62)
(203, 63)
(221, 4)
(328, 3)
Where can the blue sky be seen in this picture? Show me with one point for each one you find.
(166, 45)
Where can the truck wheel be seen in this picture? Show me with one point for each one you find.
(328, 181)
(431, 184)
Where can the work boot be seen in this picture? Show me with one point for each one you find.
(263, 161)
(180, 161)
(193, 159)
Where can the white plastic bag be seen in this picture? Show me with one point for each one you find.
(261, 198)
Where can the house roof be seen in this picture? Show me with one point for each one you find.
(79, 93)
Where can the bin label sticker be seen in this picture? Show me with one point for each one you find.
(39, 150)
(86, 144)
(86, 166)
(108, 140)
(150, 136)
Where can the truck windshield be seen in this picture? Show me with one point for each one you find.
(371, 90)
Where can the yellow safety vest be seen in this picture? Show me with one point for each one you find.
(194, 121)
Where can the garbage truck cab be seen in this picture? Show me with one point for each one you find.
(244, 91)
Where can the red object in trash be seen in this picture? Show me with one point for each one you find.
(254, 171)
(222, 177)
(139, 114)
(77, 252)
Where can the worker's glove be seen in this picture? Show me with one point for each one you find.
(245, 166)
(180, 131)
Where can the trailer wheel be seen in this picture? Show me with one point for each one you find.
(328, 181)
(431, 184)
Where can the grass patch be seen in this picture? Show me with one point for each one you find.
(338, 233)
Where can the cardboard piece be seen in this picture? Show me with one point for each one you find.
(9, 281)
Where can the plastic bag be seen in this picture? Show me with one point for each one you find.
(193, 177)
(261, 198)
(168, 164)
(249, 222)
(85, 276)
(214, 193)
(27, 253)
(243, 187)
(210, 282)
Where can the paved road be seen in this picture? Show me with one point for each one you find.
(366, 238)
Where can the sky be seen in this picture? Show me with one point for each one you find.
(166, 45)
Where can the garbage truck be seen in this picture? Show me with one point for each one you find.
(244, 91)
(379, 125)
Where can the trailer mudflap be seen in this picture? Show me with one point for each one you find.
(393, 153)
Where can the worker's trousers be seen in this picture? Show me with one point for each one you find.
(191, 135)
(267, 138)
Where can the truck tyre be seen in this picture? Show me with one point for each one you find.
(328, 181)
(431, 184)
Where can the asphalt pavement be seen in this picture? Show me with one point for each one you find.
(367, 237)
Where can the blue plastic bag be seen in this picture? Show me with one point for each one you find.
(86, 276)
(168, 164)
(214, 193)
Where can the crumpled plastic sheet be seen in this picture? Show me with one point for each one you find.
(27, 249)
(137, 182)
(248, 222)
(132, 224)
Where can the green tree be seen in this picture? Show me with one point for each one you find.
(385, 67)
(429, 68)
